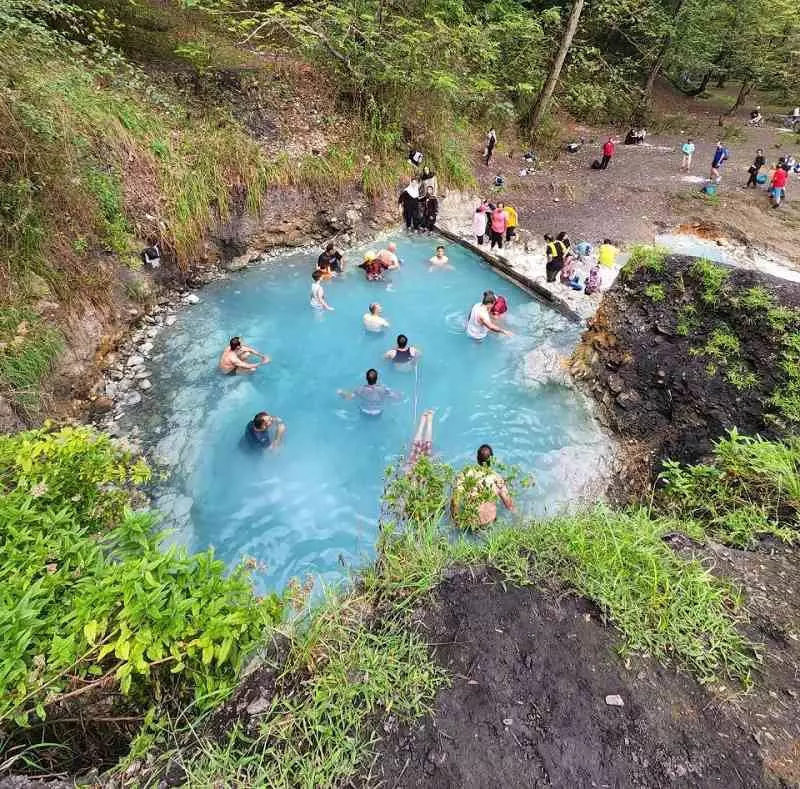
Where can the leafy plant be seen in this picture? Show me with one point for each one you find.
(711, 278)
(688, 320)
(649, 258)
(655, 292)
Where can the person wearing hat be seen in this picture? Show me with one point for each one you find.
(374, 266)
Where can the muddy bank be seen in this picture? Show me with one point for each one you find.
(535, 702)
(655, 360)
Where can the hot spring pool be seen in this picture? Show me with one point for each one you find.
(312, 506)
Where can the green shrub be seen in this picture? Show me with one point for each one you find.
(655, 292)
(711, 278)
(643, 256)
(91, 602)
(688, 321)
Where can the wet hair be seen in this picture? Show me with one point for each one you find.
(330, 247)
(317, 275)
(236, 343)
(548, 237)
(440, 247)
(373, 307)
(402, 340)
(260, 420)
(372, 376)
(488, 297)
(485, 454)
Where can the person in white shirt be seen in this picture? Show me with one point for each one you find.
(480, 323)
(318, 301)
(373, 320)
(439, 260)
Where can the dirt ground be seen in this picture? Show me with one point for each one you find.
(531, 672)
(644, 191)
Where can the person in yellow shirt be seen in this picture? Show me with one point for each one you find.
(607, 254)
(511, 220)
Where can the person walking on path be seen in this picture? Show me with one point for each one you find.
(491, 141)
(688, 152)
(721, 155)
(778, 186)
(755, 169)
(608, 153)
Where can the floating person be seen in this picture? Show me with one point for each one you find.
(440, 260)
(422, 443)
(371, 397)
(498, 307)
(687, 149)
(331, 260)
(476, 490)
(403, 353)
(264, 432)
(480, 322)
(318, 301)
(373, 321)
(374, 266)
(721, 155)
(390, 255)
(232, 359)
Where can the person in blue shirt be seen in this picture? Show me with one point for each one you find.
(264, 432)
(721, 155)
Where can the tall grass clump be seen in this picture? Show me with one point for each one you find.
(650, 258)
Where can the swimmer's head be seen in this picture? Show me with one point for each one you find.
(262, 420)
(236, 343)
(392, 247)
(368, 256)
(485, 455)
(317, 275)
(439, 249)
(375, 308)
(402, 341)
(372, 376)
(488, 297)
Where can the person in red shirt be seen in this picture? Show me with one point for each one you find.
(608, 152)
(778, 186)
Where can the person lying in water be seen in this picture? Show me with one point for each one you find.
(264, 432)
(422, 444)
(403, 353)
(372, 396)
(373, 321)
(232, 360)
(476, 490)
(440, 260)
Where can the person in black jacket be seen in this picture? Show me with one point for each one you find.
(431, 210)
(755, 169)
(409, 198)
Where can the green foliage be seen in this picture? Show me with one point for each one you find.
(28, 348)
(688, 320)
(786, 397)
(655, 292)
(91, 602)
(649, 258)
(750, 488)
(107, 190)
(711, 278)
(724, 348)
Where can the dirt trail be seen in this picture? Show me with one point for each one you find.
(527, 706)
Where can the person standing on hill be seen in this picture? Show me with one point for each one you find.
(778, 186)
(479, 222)
(608, 153)
(755, 169)
(688, 153)
(499, 223)
(491, 141)
(554, 251)
(409, 198)
(721, 155)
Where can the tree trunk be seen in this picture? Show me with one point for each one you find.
(546, 93)
(662, 53)
(747, 86)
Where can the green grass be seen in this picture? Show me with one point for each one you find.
(649, 258)
(28, 348)
(688, 321)
(711, 279)
(655, 292)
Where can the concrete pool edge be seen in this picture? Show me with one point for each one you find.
(503, 267)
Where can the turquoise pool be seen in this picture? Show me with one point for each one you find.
(312, 506)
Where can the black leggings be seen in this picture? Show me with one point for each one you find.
(408, 216)
(553, 267)
(430, 222)
(497, 238)
(752, 179)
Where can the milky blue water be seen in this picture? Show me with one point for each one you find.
(312, 506)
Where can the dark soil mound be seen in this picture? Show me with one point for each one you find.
(527, 707)
(646, 357)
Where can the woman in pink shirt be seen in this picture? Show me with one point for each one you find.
(499, 222)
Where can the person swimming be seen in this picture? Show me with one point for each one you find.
(373, 396)
(232, 359)
(389, 256)
(476, 490)
(440, 260)
(403, 353)
(479, 322)
(372, 320)
(264, 432)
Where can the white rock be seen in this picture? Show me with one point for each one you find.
(140, 374)
(133, 398)
(170, 319)
(615, 701)
(191, 298)
(152, 332)
(135, 361)
(145, 348)
(145, 385)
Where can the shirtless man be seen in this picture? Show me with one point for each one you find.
(232, 360)
(480, 323)
(476, 490)
(389, 256)
(440, 260)
(373, 320)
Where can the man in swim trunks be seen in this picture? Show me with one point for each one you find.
(232, 360)
(403, 353)
(371, 397)
(479, 322)
(476, 490)
(264, 432)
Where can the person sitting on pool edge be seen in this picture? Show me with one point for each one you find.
(373, 321)
(232, 359)
(479, 322)
(476, 490)
(331, 260)
(440, 260)
(265, 431)
(371, 397)
(403, 353)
